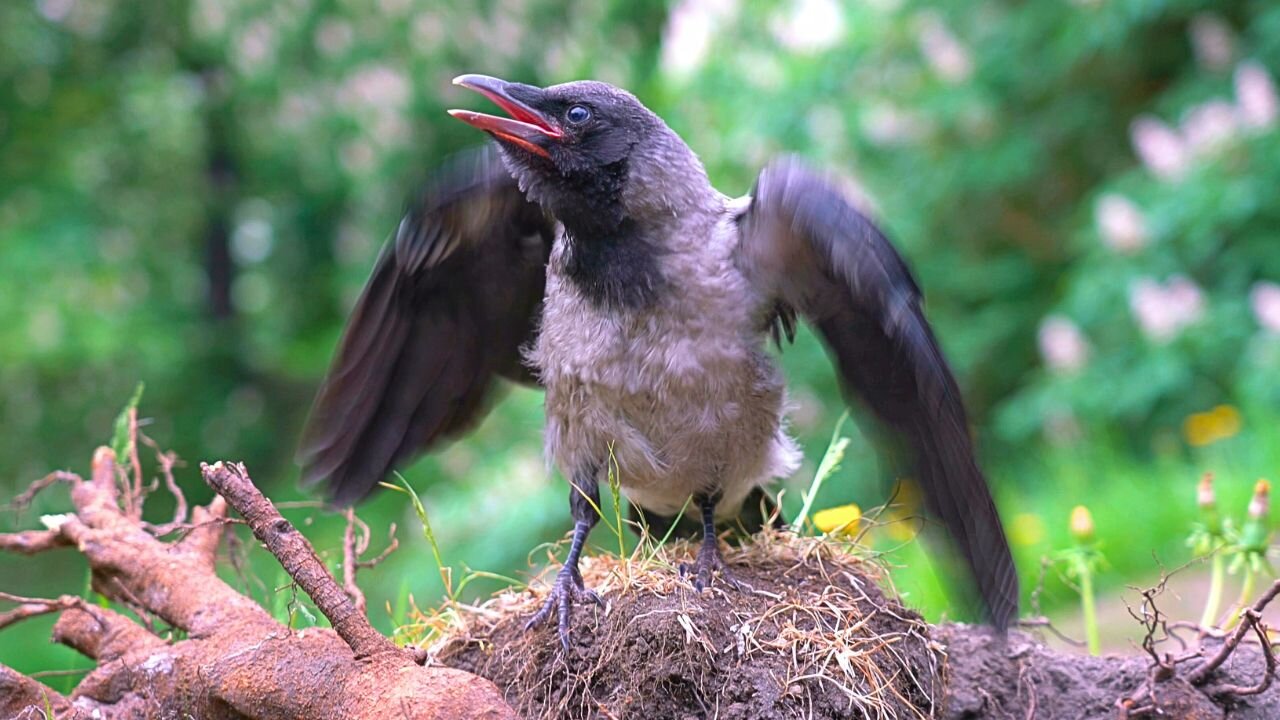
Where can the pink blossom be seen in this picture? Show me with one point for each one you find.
(208, 17)
(886, 124)
(1255, 95)
(1062, 345)
(1212, 41)
(255, 46)
(1209, 125)
(1159, 148)
(377, 86)
(333, 37)
(56, 10)
(428, 29)
(394, 7)
(1265, 300)
(948, 57)
(1163, 310)
(687, 36)
(1121, 223)
(809, 26)
(1185, 297)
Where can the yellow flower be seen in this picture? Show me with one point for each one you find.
(1209, 427)
(1227, 419)
(842, 519)
(1026, 529)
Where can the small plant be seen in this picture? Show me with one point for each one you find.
(1251, 552)
(1211, 538)
(446, 571)
(831, 460)
(1083, 560)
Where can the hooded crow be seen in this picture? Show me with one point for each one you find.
(587, 252)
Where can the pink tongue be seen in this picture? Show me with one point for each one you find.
(518, 112)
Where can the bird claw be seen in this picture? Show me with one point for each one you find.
(708, 561)
(567, 588)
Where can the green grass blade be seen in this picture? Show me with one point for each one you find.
(831, 460)
(446, 572)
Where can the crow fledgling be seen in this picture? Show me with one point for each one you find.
(590, 254)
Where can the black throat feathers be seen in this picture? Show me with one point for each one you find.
(607, 256)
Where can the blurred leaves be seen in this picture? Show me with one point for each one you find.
(192, 194)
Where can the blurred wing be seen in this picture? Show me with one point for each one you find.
(452, 298)
(806, 245)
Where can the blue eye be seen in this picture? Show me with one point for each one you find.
(577, 115)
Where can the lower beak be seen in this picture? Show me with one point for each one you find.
(527, 127)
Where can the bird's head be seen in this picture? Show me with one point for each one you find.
(586, 147)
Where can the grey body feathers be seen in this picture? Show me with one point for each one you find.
(682, 393)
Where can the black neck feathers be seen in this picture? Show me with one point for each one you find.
(618, 270)
(608, 257)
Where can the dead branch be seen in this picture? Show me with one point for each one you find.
(355, 541)
(1269, 663)
(134, 494)
(167, 460)
(299, 559)
(350, 552)
(24, 500)
(31, 542)
(1148, 697)
(34, 607)
(237, 661)
(392, 544)
(1248, 618)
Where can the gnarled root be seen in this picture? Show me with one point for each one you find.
(236, 661)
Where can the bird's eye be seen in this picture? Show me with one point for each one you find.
(577, 115)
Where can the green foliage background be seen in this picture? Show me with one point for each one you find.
(192, 192)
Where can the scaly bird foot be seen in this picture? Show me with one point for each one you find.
(708, 561)
(567, 588)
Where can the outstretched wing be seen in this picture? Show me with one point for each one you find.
(453, 297)
(806, 245)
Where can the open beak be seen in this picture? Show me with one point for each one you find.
(527, 127)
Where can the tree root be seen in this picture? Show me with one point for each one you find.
(236, 661)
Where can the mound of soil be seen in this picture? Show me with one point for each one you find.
(815, 638)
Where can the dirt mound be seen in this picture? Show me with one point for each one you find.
(815, 638)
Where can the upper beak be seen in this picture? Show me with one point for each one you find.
(526, 127)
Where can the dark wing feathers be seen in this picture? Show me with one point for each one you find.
(806, 244)
(451, 300)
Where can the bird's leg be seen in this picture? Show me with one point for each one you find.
(584, 498)
(709, 558)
